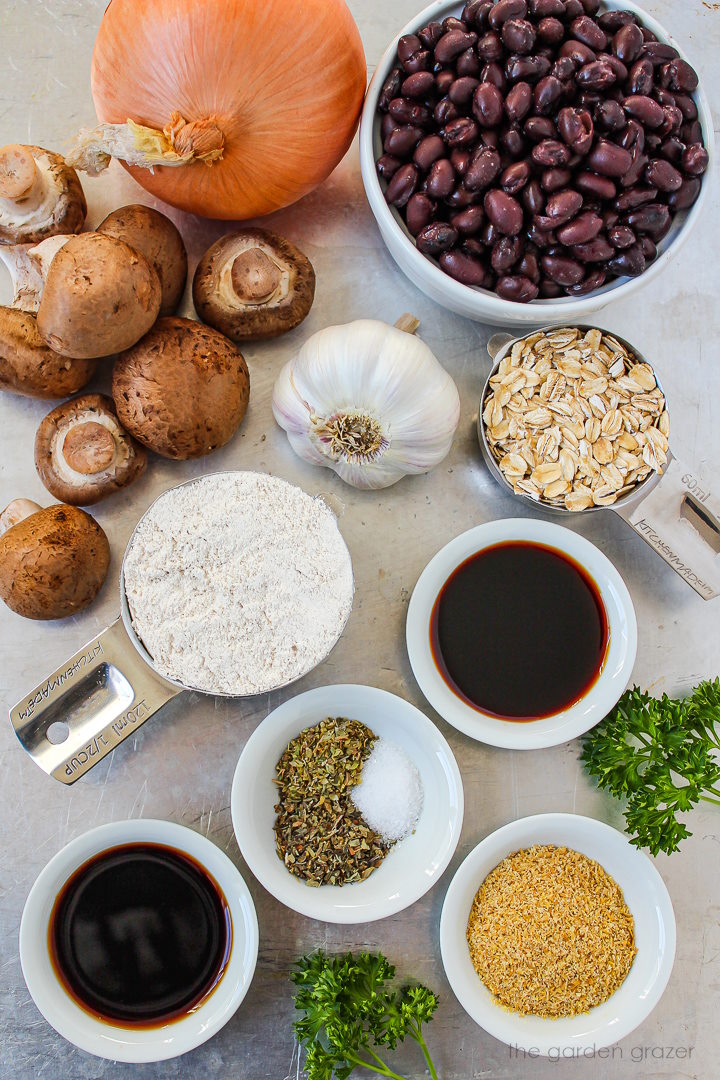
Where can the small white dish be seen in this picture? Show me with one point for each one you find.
(547, 731)
(412, 866)
(482, 304)
(646, 896)
(101, 1037)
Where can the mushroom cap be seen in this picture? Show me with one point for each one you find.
(100, 297)
(182, 390)
(55, 202)
(30, 367)
(53, 563)
(82, 454)
(253, 284)
(155, 236)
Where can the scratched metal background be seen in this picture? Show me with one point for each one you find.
(180, 764)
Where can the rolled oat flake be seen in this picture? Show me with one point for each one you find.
(238, 583)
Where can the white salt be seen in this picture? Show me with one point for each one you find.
(390, 793)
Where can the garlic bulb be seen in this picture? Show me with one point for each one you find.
(369, 401)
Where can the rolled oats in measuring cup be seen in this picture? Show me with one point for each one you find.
(574, 419)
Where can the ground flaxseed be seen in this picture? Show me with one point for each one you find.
(549, 932)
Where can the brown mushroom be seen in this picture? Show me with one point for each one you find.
(53, 562)
(40, 195)
(253, 284)
(100, 297)
(155, 236)
(29, 367)
(182, 390)
(82, 454)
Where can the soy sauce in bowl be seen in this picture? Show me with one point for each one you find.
(140, 935)
(519, 631)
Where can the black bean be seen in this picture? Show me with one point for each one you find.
(445, 111)
(637, 196)
(575, 127)
(419, 212)
(391, 88)
(538, 128)
(587, 31)
(515, 177)
(387, 166)
(519, 101)
(529, 267)
(581, 229)
(441, 179)
(695, 159)
(402, 185)
(573, 9)
(506, 9)
(408, 45)
(402, 140)
(672, 120)
(564, 69)
(632, 135)
(419, 61)
(505, 253)
(517, 288)
(691, 132)
(643, 108)
(555, 179)
(672, 149)
(518, 35)
(451, 23)
(427, 151)
(637, 167)
(590, 283)
(580, 54)
(621, 236)
(443, 82)
(484, 167)
(550, 153)
(562, 269)
(406, 111)
(641, 78)
(551, 30)
(627, 42)
(469, 221)
(475, 13)
(533, 197)
(658, 53)
(462, 131)
(461, 198)
(687, 106)
(563, 205)
(512, 140)
(685, 196)
(591, 183)
(490, 46)
(387, 124)
(487, 105)
(648, 248)
(652, 218)
(595, 250)
(452, 44)
(467, 63)
(528, 68)
(430, 34)
(543, 9)
(435, 238)
(494, 74)
(662, 175)
(628, 263)
(460, 160)
(462, 90)
(420, 85)
(504, 212)
(547, 93)
(596, 76)
(463, 267)
(608, 159)
(611, 21)
(609, 116)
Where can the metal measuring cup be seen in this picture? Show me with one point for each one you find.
(100, 695)
(676, 513)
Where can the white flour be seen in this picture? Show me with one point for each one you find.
(238, 582)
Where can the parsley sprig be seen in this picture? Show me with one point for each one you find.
(349, 1013)
(659, 754)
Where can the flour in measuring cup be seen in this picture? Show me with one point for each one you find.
(238, 582)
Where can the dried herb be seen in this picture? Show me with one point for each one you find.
(319, 834)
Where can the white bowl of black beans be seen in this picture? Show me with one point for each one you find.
(529, 161)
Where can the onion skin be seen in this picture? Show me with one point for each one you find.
(284, 87)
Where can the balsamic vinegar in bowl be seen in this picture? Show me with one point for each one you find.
(519, 631)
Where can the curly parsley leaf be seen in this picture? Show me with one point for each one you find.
(658, 754)
(349, 1012)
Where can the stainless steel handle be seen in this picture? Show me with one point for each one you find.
(680, 519)
(497, 342)
(88, 705)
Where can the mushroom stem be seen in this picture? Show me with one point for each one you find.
(88, 448)
(18, 172)
(28, 267)
(255, 276)
(17, 511)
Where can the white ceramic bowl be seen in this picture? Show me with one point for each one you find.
(646, 896)
(482, 304)
(101, 1037)
(412, 866)
(551, 730)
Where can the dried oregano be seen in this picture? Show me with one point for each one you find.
(319, 834)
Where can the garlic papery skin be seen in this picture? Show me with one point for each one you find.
(369, 401)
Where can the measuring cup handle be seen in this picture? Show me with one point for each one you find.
(88, 705)
(498, 342)
(680, 519)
